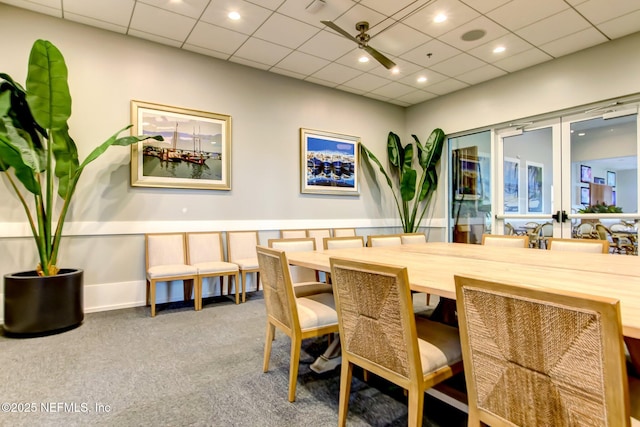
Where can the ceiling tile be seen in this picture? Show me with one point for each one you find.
(598, 11)
(287, 73)
(302, 63)
(366, 82)
(438, 51)
(95, 23)
(398, 39)
(208, 52)
(523, 60)
(251, 15)
(481, 74)
(351, 89)
(249, 63)
(261, 51)
(492, 30)
(432, 78)
(416, 97)
(216, 38)
(331, 10)
(360, 13)
(577, 41)
(458, 65)
(327, 45)
(152, 20)
(484, 6)
(269, 4)
(155, 38)
(393, 90)
(116, 12)
(336, 73)
(520, 13)
(404, 68)
(320, 81)
(390, 8)
(447, 86)
(457, 14)
(622, 26)
(554, 27)
(352, 59)
(191, 8)
(285, 31)
(512, 44)
(47, 7)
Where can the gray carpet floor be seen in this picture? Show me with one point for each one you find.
(184, 368)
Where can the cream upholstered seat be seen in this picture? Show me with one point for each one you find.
(378, 240)
(379, 333)
(512, 241)
(204, 251)
(319, 234)
(303, 279)
(343, 242)
(241, 250)
(344, 232)
(579, 245)
(166, 260)
(298, 317)
(539, 357)
(292, 234)
(413, 238)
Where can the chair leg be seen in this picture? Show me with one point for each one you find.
(271, 330)
(152, 297)
(147, 299)
(346, 372)
(244, 286)
(296, 345)
(236, 283)
(257, 281)
(198, 294)
(416, 406)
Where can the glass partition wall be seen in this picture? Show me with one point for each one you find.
(570, 177)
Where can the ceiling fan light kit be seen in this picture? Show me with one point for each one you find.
(362, 39)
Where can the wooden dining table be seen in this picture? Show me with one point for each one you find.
(432, 266)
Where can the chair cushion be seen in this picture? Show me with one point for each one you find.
(215, 267)
(304, 289)
(171, 270)
(247, 263)
(439, 344)
(315, 311)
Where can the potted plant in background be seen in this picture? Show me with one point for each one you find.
(39, 157)
(415, 192)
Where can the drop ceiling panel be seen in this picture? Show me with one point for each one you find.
(191, 8)
(399, 39)
(622, 26)
(554, 27)
(458, 65)
(523, 60)
(431, 53)
(261, 51)
(598, 11)
(576, 41)
(519, 13)
(512, 44)
(336, 73)
(285, 31)
(327, 45)
(216, 38)
(393, 90)
(491, 29)
(302, 63)
(159, 22)
(117, 12)
(297, 9)
(482, 74)
(252, 16)
(457, 14)
(484, 6)
(366, 82)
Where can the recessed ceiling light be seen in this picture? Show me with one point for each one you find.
(441, 17)
(473, 35)
(395, 70)
(234, 15)
(422, 79)
(581, 134)
(499, 49)
(363, 59)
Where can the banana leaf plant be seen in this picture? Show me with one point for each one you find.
(37, 155)
(415, 191)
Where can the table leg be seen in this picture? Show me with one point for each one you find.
(633, 344)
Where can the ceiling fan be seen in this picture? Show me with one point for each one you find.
(362, 39)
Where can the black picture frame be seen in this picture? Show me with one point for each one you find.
(585, 173)
(598, 180)
(585, 195)
(611, 178)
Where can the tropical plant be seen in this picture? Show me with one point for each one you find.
(37, 151)
(601, 208)
(415, 192)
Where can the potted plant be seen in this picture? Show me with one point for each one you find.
(39, 158)
(415, 192)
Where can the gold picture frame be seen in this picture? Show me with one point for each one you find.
(329, 163)
(195, 153)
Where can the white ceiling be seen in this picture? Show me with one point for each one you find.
(283, 36)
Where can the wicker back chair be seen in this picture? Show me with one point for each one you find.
(298, 318)
(536, 357)
(379, 333)
(511, 241)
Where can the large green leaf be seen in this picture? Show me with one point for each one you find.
(366, 153)
(394, 150)
(47, 88)
(408, 185)
(66, 155)
(16, 107)
(432, 149)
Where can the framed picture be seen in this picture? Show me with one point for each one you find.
(195, 153)
(535, 193)
(598, 180)
(611, 178)
(584, 195)
(467, 174)
(613, 195)
(511, 185)
(585, 174)
(329, 163)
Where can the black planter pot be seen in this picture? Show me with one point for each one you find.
(35, 305)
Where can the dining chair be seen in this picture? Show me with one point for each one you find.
(377, 240)
(343, 242)
(534, 356)
(204, 251)
(380, 334)
(413, 238)
(579, 245)
(319, 234)
(546, 232)
(615, 244)
(166, 260)
(512, 241)
(297, 317)
(292, 234)
(586, 230)
(241, 250)
(304, 279)
(344, 232)
(508, 229)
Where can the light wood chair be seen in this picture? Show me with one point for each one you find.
(299, 318)
(510, 240)
(166, 260)
(377, 240)
(204, 251)
(380, 334)
(539, 357)
(241, 250)
(579, 245)
(319, 234)
(413, 238)
(344, 232)
(304, 279)
(292, 234)
(343, 242)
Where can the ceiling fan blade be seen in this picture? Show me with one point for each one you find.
(386, 62)
(337, 29)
